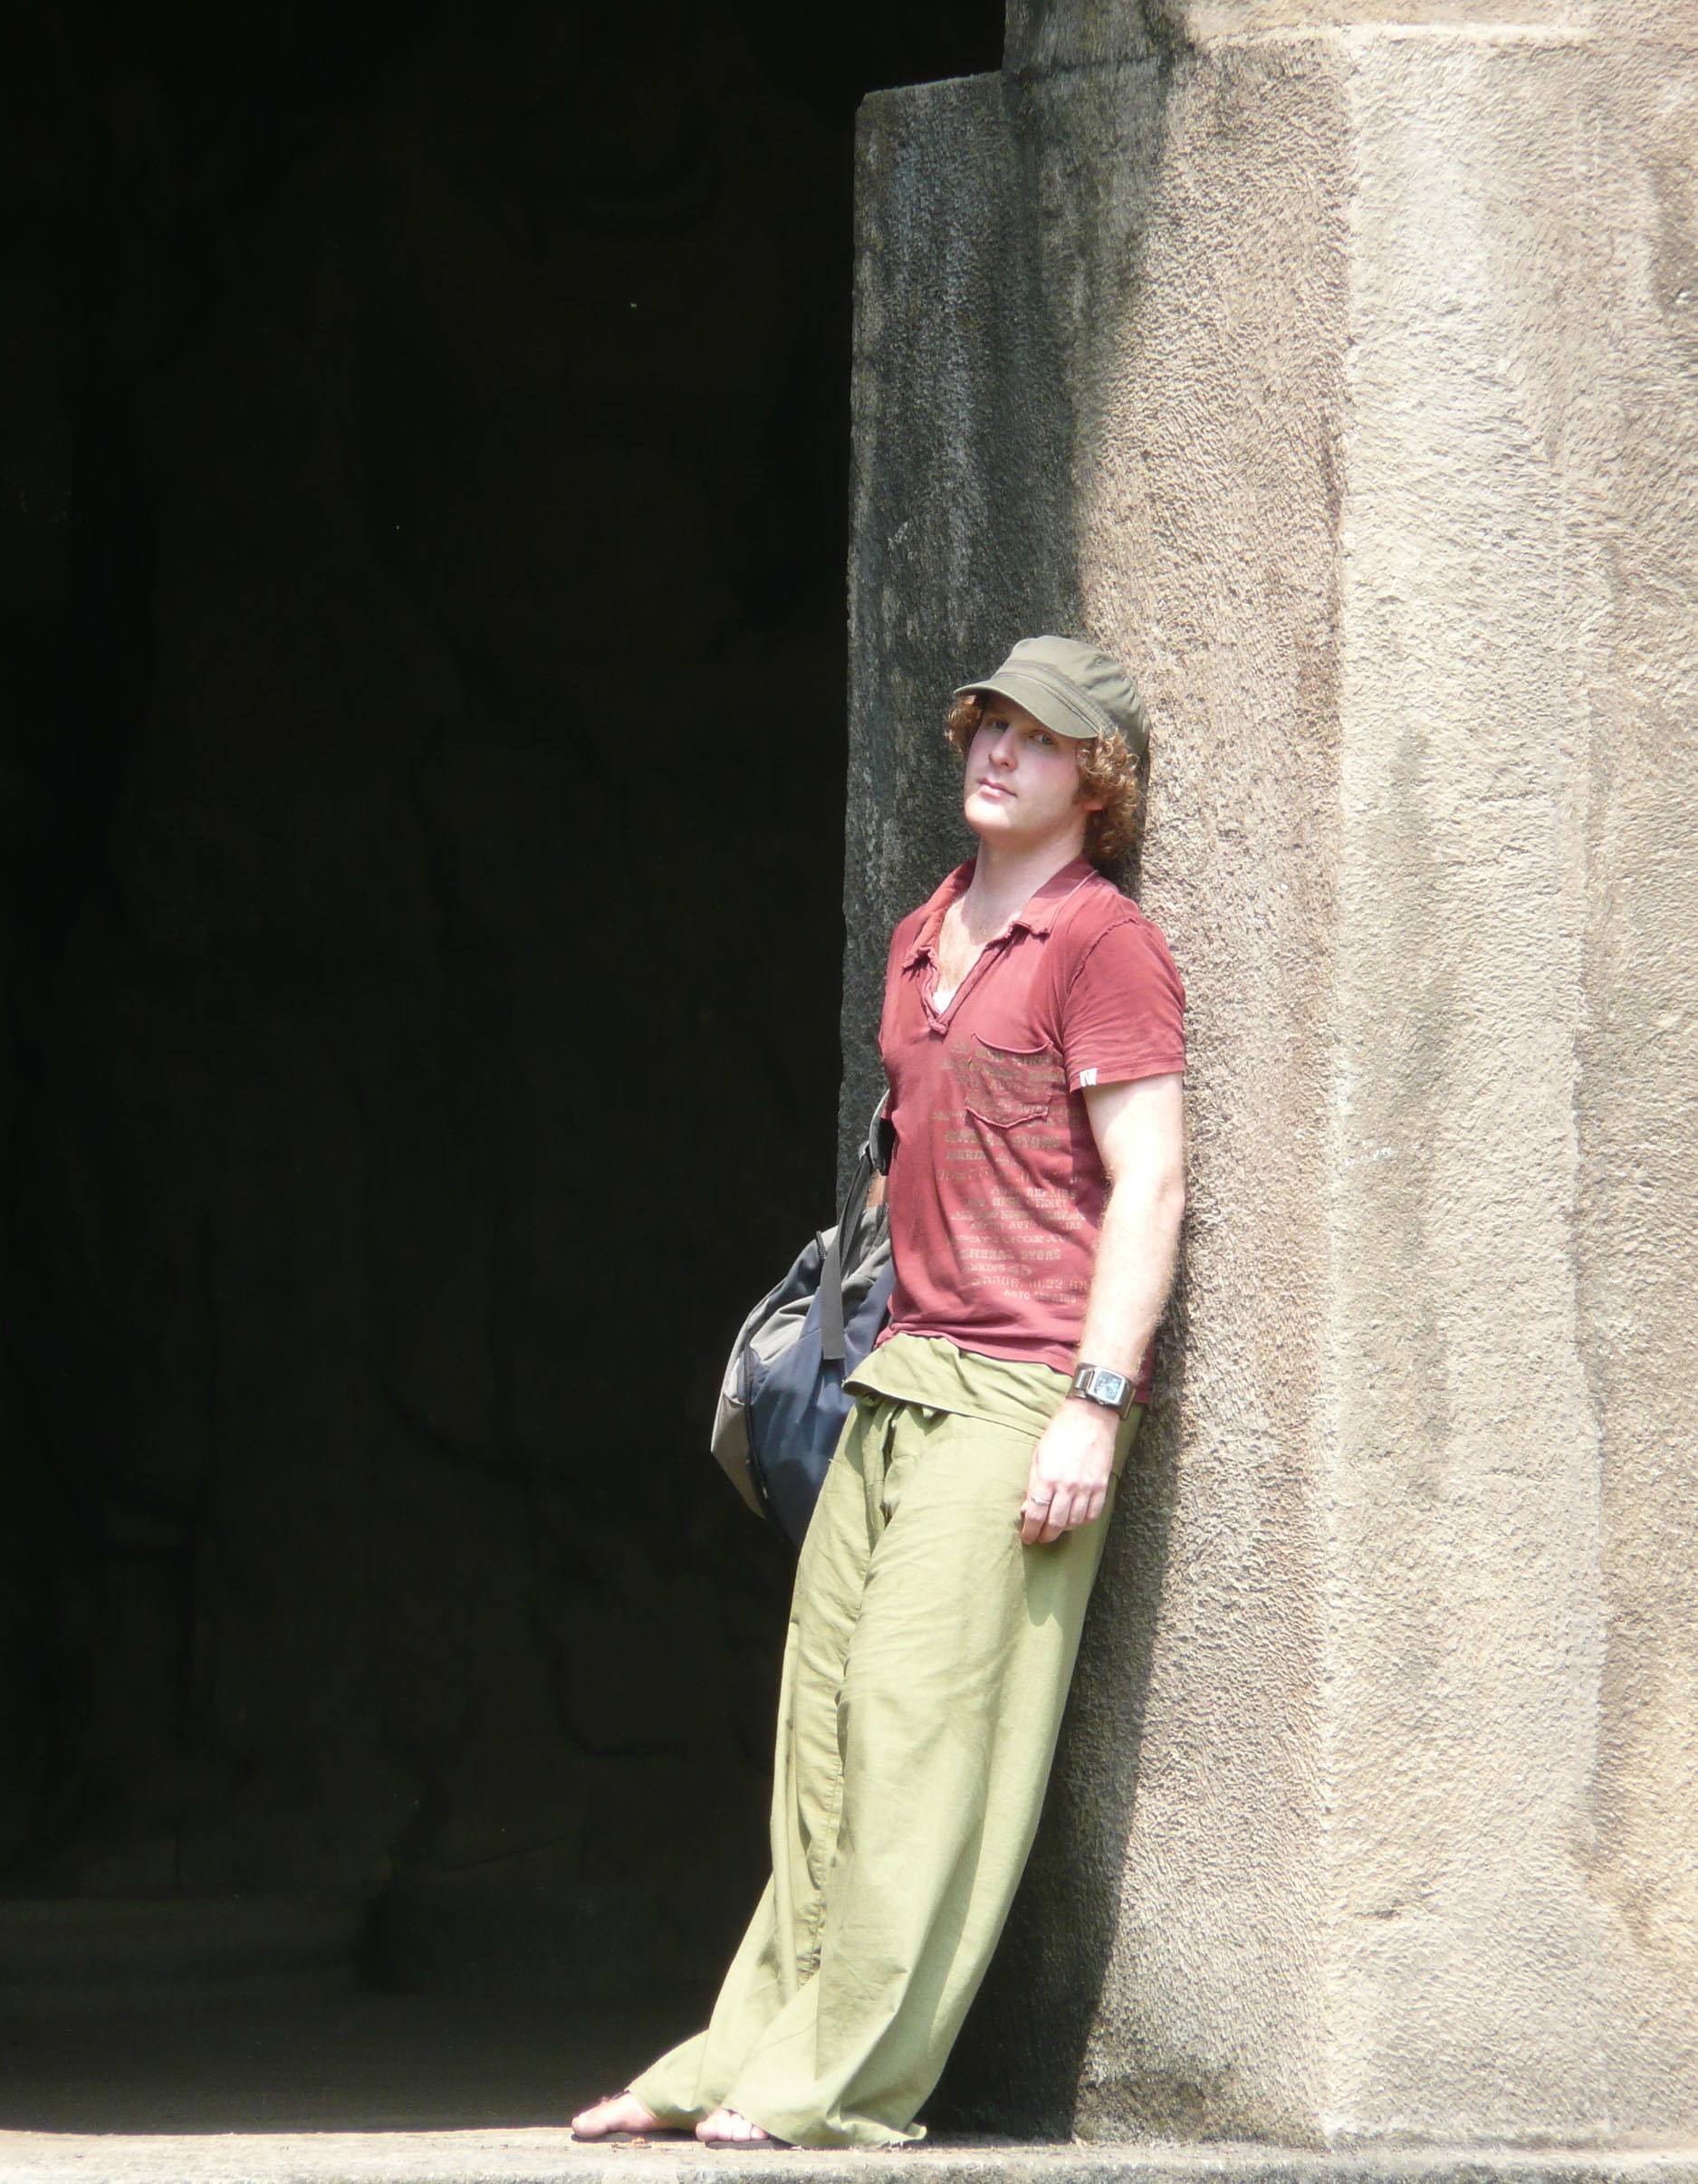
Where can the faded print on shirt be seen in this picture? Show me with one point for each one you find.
(996, 1186)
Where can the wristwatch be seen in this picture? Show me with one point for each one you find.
(1097, 1384)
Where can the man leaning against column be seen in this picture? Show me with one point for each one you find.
(1032, 1035)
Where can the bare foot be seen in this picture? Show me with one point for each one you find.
(727, 2127)
(620, 2114)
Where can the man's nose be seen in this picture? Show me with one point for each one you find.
(1006, 748)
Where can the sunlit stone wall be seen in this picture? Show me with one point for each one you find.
(1336, 366)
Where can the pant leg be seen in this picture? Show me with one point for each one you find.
(926, 1666)
(953, 1687)
(780, 1949)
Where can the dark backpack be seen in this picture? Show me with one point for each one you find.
(781, 1404)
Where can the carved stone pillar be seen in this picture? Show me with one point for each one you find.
(1337, 367)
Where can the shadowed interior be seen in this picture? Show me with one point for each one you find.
(423, 800)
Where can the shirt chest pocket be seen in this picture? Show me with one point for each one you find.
(1003, 1085)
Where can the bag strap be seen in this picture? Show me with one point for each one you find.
(874, 1158)
(880, 1138)
(831, 1347)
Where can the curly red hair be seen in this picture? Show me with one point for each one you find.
(1107, 768)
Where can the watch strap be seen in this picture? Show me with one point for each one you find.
(1100, 1384)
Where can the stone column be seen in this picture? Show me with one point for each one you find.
(1337, 365)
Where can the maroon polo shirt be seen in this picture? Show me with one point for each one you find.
(996, 1185)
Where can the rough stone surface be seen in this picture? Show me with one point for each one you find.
(1514, 1587)
(1076, 34)
(1149, 234)
(518, 2157)
(1342, 378)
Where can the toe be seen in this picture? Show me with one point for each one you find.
(728, 2127)
(618, 2113)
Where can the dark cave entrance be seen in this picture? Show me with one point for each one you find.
(429, 447)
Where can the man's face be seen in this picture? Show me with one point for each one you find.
(1021, 784)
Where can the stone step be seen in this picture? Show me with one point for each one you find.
(552, 2157)
(599, 1942)
(113, 1952)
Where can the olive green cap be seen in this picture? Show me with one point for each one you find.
(1073, 688)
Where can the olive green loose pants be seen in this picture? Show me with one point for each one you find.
(926, 1666)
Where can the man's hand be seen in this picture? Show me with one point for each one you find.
(1071, 1468)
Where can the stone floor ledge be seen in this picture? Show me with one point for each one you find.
(553, 2157)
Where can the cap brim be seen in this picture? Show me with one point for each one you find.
(1060, 711)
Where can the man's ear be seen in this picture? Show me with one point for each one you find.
(1092, 803)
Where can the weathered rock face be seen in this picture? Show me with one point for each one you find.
(1338, 373)
(423, 809)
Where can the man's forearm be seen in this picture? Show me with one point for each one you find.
(1133, 1270)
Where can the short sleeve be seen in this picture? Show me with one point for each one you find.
(901, 941)
(1123, 1011)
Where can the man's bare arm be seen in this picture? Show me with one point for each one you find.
(1139, 1128)
(1141, 1132)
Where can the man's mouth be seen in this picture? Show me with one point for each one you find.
(995, 788)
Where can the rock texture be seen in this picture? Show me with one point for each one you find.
(1336, 366)
(550, 2157)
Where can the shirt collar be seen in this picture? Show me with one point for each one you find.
(1038, 915)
